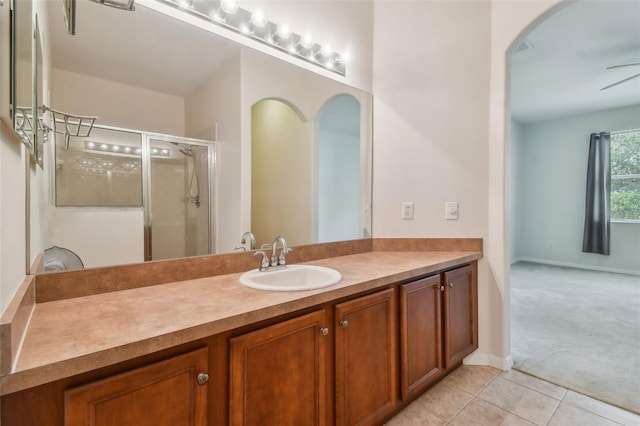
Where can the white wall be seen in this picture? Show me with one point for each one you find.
(216, 102)
(431, 90)
(117, 104)
(99, 237)
(551, 182)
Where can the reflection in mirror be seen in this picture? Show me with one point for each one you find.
(304, 187)
(22, 71)
(143, 77)
(339, 174)
(111, 186)
(281, 174)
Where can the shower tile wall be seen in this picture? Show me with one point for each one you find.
(100, 180)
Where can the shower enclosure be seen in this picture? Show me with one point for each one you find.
(177, 208)
(147, 196)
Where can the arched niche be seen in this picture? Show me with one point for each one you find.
(338, 170)
(281, 173)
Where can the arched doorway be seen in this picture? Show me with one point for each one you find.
(561, 331)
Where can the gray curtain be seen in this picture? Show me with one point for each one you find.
(596, 218)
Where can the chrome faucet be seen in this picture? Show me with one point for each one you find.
(280, 260)
(252, 242)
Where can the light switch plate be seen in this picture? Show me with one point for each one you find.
(451, 210)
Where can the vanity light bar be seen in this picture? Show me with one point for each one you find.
(256, 26)
(123, 149)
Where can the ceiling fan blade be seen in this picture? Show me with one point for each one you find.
(621, 81)
(623, 65)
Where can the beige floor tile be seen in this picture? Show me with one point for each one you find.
(602, 409)
(481, 413)
(569, 415)
(534, 383)
(471, 378)
(443, 400)
(415, 415)
(517, 399)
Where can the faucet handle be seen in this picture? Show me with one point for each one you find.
(264, 264)
(281, 259)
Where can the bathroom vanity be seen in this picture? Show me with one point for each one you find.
(211, 351)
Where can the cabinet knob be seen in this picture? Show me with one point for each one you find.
(202, 379)
(441, 288)
(324, 331)
(450, 285)
(344, 323)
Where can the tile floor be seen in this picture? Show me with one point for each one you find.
(477, 395)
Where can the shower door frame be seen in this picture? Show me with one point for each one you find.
(147, 186)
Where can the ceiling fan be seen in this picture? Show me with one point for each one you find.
(624, 79)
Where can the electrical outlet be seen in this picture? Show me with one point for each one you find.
(407, 210)
(451, 210)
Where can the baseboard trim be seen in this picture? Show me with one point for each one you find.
(481, 358)
(575, 265)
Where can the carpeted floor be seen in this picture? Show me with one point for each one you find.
(579, 329)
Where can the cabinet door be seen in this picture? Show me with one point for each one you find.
(366, 376)
(460, 314)
(278, 374)
(163, 393)
(421, 334)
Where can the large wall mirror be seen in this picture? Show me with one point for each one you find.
(152, 73)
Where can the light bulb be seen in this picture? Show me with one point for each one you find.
(103, 146)
(186, 3)
(229, 6)
(306, 41)
(284, 31)
(258, 19)
(326, 50)
(115, 148)
(91, 145)
(127, 149)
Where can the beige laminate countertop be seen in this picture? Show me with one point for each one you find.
(73, 336)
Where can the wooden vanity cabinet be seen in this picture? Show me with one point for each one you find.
(366, 360)
(460, 314)
(438, 326)
(333, 364)
(170, 392)
(278, 373)
(421, 347)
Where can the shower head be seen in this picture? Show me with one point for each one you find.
(188, 151)
(185, 149)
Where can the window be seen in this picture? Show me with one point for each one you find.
(625, 176)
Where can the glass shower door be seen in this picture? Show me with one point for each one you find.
(178, 199)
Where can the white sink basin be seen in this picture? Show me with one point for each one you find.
(292, 278)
